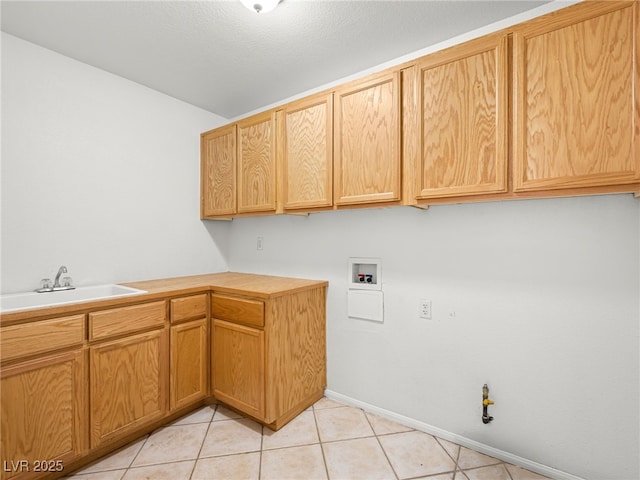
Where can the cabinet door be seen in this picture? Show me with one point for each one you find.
(256, 163)
(44, 412)
(463, 115)
(367, 141)
(189, 363)
(218, 172)
(238, 367)
(308, 153)
(128, 384)
(577, 107)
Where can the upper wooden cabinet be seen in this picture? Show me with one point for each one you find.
(218, 172)
(257, 163)
(549, 107)
(462, 103)
(577, 106)
(367, 141)
(238, 168)
(308, 153)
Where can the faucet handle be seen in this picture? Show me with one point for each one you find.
(66, 281)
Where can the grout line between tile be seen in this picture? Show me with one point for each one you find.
(203, 440)
(380, 444)
(464, 475)
(139, 450)
(508, 471)
(261, 449)
(324, 458)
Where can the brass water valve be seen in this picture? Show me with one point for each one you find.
(486, 401)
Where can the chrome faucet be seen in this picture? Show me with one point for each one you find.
(56, 282)
(45, 283)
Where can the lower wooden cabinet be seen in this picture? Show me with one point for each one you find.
(238, 367)
(83, 384)
(189, 363)
(128, 383)
(189, 356)
(44, 414)
(268, 354)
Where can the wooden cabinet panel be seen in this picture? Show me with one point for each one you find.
(367, 141)
(235, 309)
(189, 363)
(256, 163)
(39, 337)
(119, 321)
(218, 172)
(189, 308)
(128, 379)
(308, 153)
(577, 83)
(296, 357)
(463, 116)
(238, 367)
(44, 412)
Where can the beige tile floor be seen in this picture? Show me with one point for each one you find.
(327, 441)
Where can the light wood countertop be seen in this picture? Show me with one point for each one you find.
(260, 286)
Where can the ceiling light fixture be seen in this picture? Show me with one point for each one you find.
(260, 6)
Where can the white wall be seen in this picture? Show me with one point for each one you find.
(99, 174)
(545, 295)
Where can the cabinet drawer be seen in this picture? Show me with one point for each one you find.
(188, 308)
(239, 310)
(119, 321)
(47, 335)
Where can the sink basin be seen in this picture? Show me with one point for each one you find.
(30, 300)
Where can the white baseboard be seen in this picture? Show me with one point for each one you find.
(452, 437)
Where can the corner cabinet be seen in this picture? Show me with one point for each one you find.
(577, 98)
(238, 168)
(367, 148)
(218, 172)
(462, 117)
(269, 354)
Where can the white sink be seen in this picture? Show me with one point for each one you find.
(30, 300)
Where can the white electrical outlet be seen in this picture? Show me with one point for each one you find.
(259, 243)
(424, 308)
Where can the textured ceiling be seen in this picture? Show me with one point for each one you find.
(221, 57)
